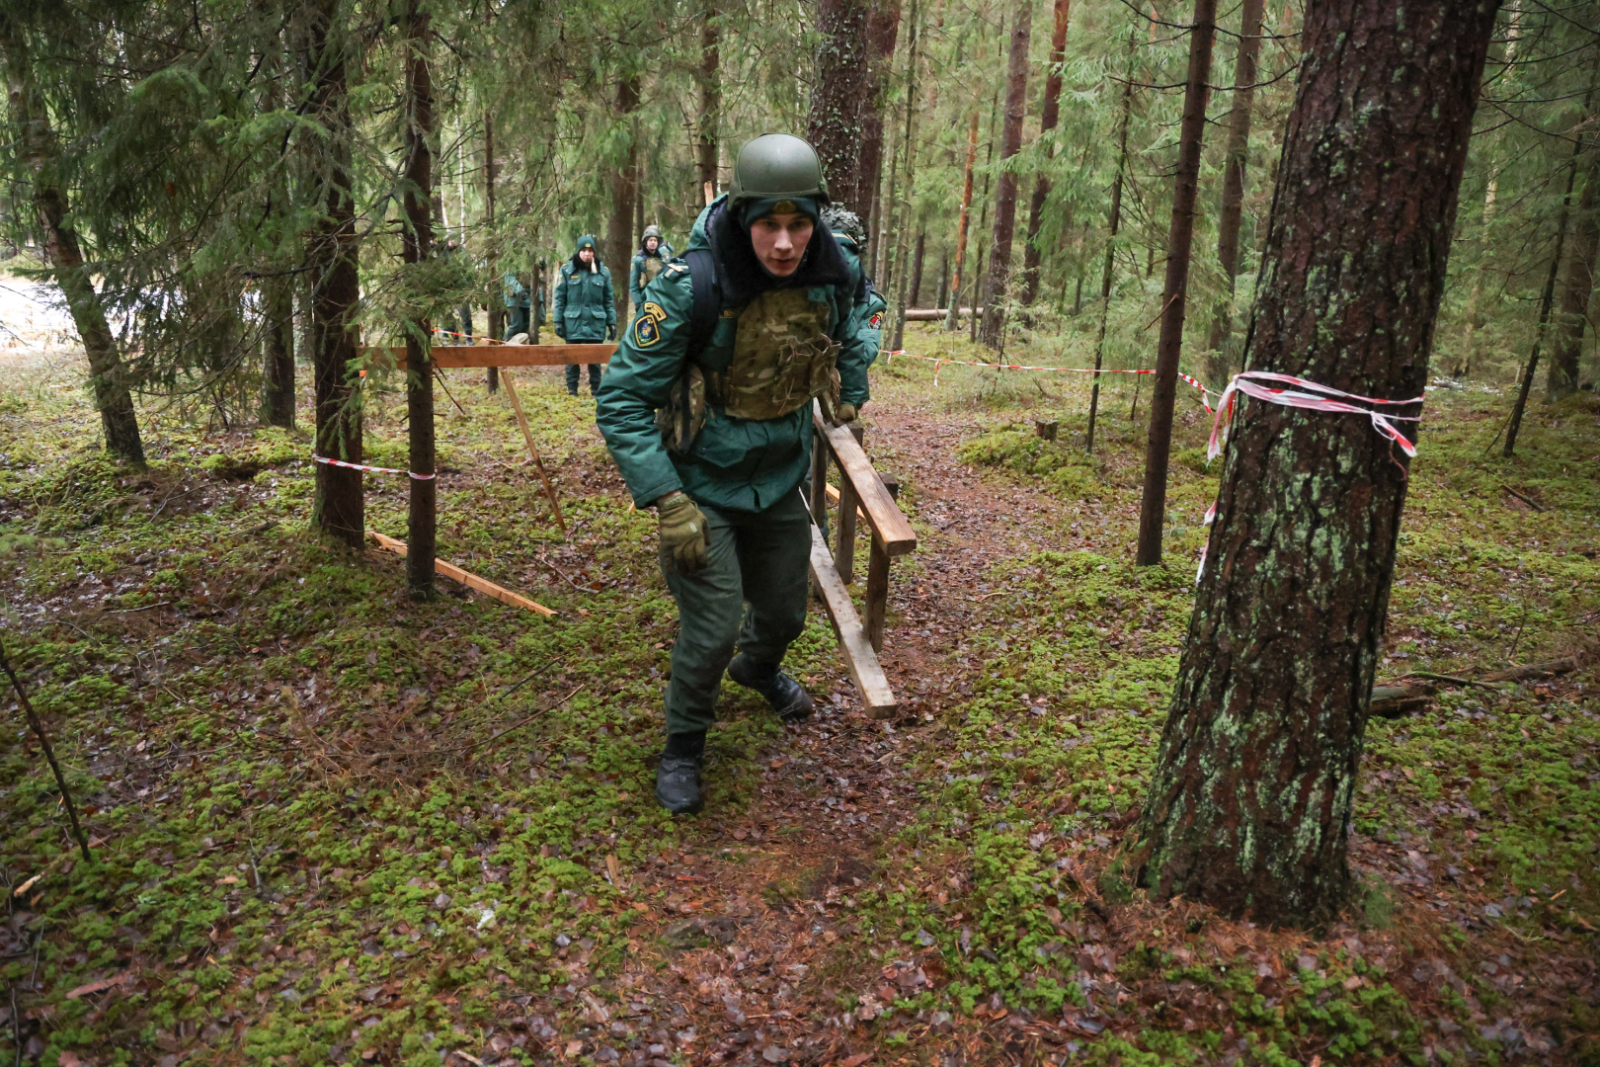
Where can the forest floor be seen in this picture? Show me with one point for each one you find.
(335, 826)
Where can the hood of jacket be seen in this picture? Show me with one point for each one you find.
(742, 278)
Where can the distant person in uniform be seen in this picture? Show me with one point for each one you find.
(586, 307)
(518, 306)
(653, 254)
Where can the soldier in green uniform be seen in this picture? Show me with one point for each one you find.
(586, 307)
(653, 254)
(848, 229)
(519, 306)
(707, 411)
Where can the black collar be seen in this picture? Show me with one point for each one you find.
(743, 278)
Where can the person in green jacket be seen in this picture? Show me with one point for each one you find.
(718, 439)
(653, 254)
(586, 307)
(851, 233)
(519, 306)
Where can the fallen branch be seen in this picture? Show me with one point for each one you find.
(52, 865)
(49, 752)
(467, 578)
(1534, 504)
(1391, 700)
(527, 435)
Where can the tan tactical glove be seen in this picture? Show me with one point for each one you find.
(685, 537)
(845, 413)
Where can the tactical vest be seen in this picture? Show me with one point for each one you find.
(652, 266)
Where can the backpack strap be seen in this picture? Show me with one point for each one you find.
(705, 297)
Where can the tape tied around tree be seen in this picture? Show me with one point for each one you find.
(372, 470)
(1295, 392)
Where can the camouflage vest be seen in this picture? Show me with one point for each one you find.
(652, 266)
(782, 356)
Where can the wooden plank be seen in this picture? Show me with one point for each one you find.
(882, 513)
(527, 435)
(833, 495)
(877, 593)
(499, 355)
(859, 657)
(844, 552)
(467, 578)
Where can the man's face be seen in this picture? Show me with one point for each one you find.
(651, 244)
(780, 241)
(586, 254)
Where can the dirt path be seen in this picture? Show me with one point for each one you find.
(756, 926)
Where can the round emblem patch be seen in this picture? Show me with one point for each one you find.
(645, 331)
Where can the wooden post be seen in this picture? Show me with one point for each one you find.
(527, 435)
(844, 557)
(877, 592)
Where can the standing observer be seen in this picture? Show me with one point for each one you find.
(586, 308)
(707, 411)
(653, 254)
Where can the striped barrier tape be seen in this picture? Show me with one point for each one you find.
(1308, 396)
(372, 470)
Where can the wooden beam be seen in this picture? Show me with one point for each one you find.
(877, 593)
(466, 578)
(527, 435)
(881, 512)
(498, 355)
(859, 657)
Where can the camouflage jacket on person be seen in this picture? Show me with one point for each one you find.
(749, 461)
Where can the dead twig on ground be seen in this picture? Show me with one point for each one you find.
(49, 752)
(1532, 503)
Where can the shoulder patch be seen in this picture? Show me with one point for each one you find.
(646, 332)
(876, 322)
(653, 310)
(676, 268)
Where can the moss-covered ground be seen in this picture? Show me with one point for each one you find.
(336, 825)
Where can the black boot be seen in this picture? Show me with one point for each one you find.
(678, 774)
(787, 697)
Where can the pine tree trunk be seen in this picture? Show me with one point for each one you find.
(339, 508)
(952, 321)
(1250, 801)
(840, 95)
(497, 313)
(1005, 205)
(416, 247)
(277, 402)
(624, 188)
(917, 258)
(1233, 168)
(883, 31)
(944, 273)
(1180, 243)
(900, 207)
(1546, 301)
(1576, 289)
(1114, 226)
(706, 129)
(1049, 116)
(108, 377)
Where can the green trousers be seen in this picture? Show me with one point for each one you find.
(759, 559)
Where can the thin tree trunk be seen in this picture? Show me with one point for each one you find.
(1218, 366)
(883, 32)
(1049, 116)
(1576, 289)
(497, 313)
(1250, 801)
(1005, 204)
(416, 247)
(108, 377)
(339, 507)
(710, 98)
(1546, 301)
(277, 407)
(944, 272)
(840, 95)
(1180, 243)
(952, 321)
(917, 259)
(1108, 271)
(624, 189)
(902, 208)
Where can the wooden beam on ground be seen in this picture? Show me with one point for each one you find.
(466, 578)
(833, 495)
(881, 512)
(859, 657)
(498, 355)
(527, 435)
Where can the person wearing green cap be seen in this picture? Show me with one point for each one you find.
(654, 253)
(708, 416)
(586, 307)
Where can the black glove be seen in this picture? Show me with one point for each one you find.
(611, 332)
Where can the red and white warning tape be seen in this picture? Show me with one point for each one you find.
(939, 360)
(372, 470)
(1308, 396)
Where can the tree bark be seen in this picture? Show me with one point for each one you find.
(1114, 226)
(1180, 243)
(108, 376)
(900, 207)
(1049, 116)
(496, 309)
(883, 32)
(338, 508)
(1005, 203)
(1249, 805)
(706, 131)
(952, 321)
(917, 258)
(1576, 289)
(840, 95)
(1546, 301)
(1218, 366)
(624, 189)
(416, 247)
(277, 406)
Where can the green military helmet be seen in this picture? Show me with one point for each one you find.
(652, 230)
(777, 166)
(840, 219)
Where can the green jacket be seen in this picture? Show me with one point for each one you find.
(737, 464)
(636, 279)
(871, 316)
(586, 305)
